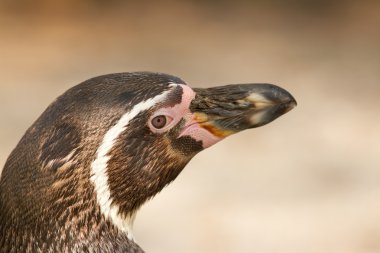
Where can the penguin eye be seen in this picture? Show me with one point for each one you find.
(160, 121)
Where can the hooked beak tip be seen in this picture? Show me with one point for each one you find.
(233, 108)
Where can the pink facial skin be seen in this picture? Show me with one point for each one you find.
(195, 131)
(181, 111)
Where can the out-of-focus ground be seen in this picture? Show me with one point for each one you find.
(308, 182)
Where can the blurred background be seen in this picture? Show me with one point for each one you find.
(308, 182)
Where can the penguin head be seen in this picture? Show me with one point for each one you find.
(156, 136)
(119, 139)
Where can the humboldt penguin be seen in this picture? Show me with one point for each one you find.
(80, 173)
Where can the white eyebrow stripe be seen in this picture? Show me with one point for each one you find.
(99, 176)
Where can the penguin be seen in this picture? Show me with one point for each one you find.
(80, 173)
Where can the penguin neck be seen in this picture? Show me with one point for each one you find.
(123, 184)
(70, 223)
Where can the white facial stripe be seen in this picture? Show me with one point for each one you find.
(99, 175)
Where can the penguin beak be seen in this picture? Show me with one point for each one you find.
(229, 109)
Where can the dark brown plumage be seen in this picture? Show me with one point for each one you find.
(82, 170)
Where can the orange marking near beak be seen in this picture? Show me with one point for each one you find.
(216, 131)
(200, 117)
(204, 122)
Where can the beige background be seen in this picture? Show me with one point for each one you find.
(308, 182)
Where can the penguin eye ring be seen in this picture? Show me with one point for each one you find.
(160, 123)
